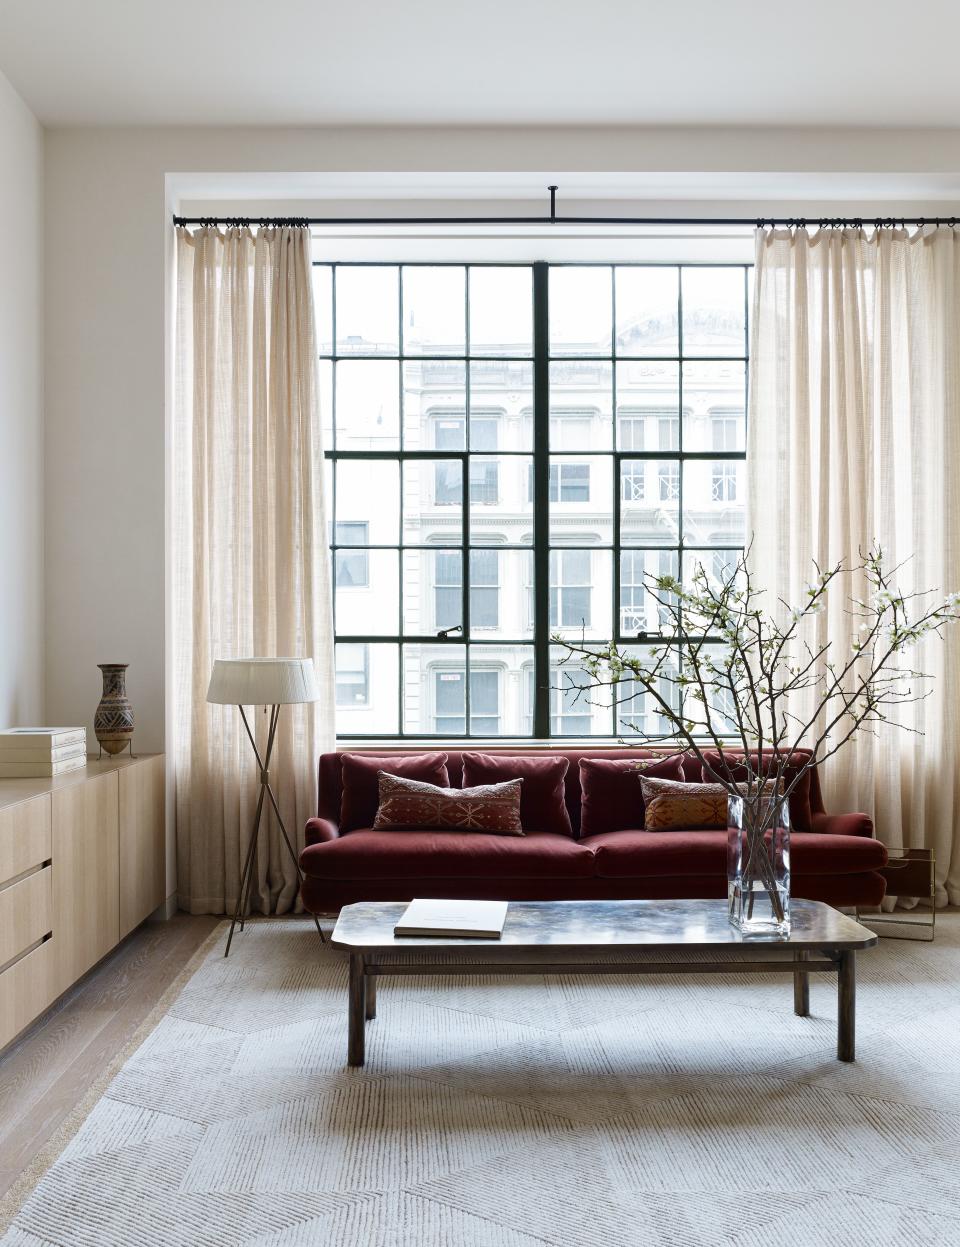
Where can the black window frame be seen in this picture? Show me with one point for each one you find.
(542, 478)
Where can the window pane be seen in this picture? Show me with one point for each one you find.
(714, 403)
(501, 310)
(323, 307)
(504, 389)
(648, 406)
(434, 392)
(719, 566)
(432, 596)
(581, 404)
(434, 310)
(649, 502)
(639, 612)
(714, 502)
(580, 592)
(501, 596)
(576, 710)
(368, 310)
(501, 679)
(358, 482)
(637, 711)
(434, 689)
(368, 606)
(368, 405)
(432, 501)
(581, 310)
(581, 499)
(500, 502)
(647, 310)
(367, 706)
(714, 310)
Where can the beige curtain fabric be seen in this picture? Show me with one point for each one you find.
(854, 439)
(250, 562)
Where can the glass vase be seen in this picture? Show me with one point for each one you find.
(758, 865)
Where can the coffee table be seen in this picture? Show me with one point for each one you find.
(591, 937)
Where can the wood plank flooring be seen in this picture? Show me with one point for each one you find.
(48, 1071)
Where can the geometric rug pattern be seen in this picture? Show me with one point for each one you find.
(575, 1111)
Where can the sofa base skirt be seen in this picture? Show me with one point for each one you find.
(323, 896)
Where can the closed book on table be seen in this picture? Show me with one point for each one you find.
(466, 919)
(45, 738)
(41, 770)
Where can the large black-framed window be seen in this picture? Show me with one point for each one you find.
(509, 448)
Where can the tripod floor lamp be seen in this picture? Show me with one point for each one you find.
(272, 682)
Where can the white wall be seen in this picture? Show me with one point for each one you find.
(21, 415)
(108, 236)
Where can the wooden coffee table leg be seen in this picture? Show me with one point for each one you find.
(356, 1010)
(801, 989)
(371, 995)
(846, 1007)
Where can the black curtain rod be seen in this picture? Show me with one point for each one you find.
(553, 219)
(754, 222)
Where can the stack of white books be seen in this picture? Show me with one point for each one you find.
(41, 752)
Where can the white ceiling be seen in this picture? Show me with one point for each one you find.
(434, 62)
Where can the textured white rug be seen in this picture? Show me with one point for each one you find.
(576, 1112)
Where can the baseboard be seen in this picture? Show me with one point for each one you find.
(165, 911)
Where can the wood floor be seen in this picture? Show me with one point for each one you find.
(48, 1071)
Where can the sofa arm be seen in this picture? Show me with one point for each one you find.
(843, 824)
(320, 830)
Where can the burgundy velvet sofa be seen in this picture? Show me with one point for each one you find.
(835, 859)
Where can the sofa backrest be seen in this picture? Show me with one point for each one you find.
(330, 785)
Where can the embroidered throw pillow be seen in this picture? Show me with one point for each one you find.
(672, 806)
(412, 804)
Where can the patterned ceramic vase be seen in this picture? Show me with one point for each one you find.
(113, 721)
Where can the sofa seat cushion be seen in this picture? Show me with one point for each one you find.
(430, 854)
(636, 854)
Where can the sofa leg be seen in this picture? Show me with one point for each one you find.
(801, 989)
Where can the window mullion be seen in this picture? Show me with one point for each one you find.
(541, 503)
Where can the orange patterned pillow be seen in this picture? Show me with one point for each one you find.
(674, 806)
(412, 804)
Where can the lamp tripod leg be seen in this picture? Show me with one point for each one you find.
(246, 875)
(293, 855)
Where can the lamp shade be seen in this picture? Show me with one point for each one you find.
(262, 681)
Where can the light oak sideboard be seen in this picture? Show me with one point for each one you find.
(82, 862)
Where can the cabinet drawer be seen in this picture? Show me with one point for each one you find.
(25, 910)
(24, 836)
(25, 991)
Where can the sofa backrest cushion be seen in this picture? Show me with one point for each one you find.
(361, 792)
(612, 799)
(800, 806)
(542, 799)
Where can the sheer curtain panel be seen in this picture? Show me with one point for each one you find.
(854, 439)
(250, 567)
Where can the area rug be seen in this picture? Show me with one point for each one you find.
(572, 1112)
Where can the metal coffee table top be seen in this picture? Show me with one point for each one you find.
(661, 924)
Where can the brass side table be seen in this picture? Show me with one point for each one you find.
(908, 872)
